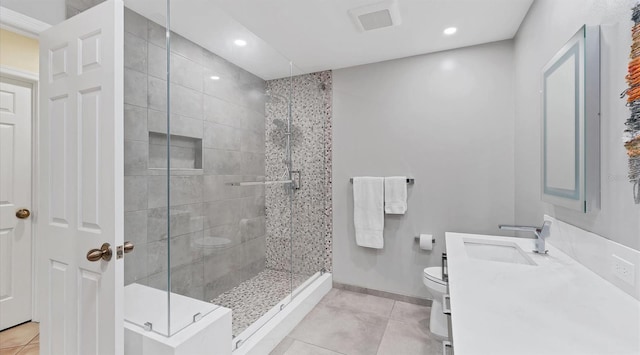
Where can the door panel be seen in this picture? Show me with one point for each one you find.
(15, 193)
(81, 173)
(57, 207)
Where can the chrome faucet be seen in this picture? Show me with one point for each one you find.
(541, 233)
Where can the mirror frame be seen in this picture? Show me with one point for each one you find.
(585, 46)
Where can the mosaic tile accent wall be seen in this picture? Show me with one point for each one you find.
(217, 130)
(309, 250)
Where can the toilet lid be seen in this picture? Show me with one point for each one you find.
(434, 274)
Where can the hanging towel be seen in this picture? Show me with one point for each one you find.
(368, 211)
(395, 194)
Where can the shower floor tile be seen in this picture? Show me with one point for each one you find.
(253, 298)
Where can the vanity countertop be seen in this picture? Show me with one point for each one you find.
(555, 307)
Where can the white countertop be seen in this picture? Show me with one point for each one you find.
(555, 307)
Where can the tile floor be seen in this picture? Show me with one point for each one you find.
(23, 339)
(351, 323)
(344, 322)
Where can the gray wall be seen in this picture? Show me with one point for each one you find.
(445, 119)
(548, 25)
(227, 118)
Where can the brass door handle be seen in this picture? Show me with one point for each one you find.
(128, 247)
(23, 213)
(103, 253)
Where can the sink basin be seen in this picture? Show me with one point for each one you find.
(492, 250)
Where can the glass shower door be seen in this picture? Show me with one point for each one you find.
(311, 204)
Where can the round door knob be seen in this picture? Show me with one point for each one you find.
(23, 213)
(103, 253)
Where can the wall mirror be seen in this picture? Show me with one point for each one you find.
(571, 123)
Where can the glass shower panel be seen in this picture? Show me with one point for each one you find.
(163, 157)
(146, 153)
(185, 132)
(218, 101)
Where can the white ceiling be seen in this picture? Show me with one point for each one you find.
(319, 34)
(48, 11)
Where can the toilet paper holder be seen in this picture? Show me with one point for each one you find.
(417, 238)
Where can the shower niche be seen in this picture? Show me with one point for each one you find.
(185, 152)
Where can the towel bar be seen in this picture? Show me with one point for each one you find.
(410, 181)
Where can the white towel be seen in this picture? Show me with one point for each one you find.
(368, 211)
(395, 194)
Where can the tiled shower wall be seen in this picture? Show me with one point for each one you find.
(74, 7)
(218, 130)
(308, 249)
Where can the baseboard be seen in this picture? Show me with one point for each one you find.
(390, 295)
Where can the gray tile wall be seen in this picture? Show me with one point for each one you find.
(310, 249)
(74, 7)
(227, 117)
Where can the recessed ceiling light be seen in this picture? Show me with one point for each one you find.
(449, 31)
(240, 42)
(215, 77)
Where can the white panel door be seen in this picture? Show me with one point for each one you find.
(80, 204)
(15, 193)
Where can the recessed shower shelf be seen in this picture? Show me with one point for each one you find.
(185, 153)
(175, 171)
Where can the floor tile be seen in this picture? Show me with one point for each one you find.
(283, 346)
(407, 339)
(359, 302)
(300, 348)
(10, 351)
(20, 335)
(411, 313)
(342, 330)
(31, 349)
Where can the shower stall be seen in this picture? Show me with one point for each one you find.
(227, 168)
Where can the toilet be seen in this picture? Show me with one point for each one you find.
(432, 278)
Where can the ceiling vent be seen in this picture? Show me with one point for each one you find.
(375, 16)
